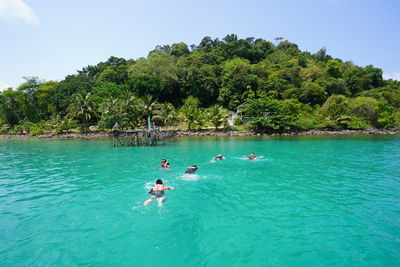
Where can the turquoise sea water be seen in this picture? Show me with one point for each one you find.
(311, 201)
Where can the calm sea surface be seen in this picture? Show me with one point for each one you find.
(310, 201)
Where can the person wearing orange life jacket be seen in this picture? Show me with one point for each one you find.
(158, 192)
(164, 163)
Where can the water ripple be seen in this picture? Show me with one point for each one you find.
(310, 201)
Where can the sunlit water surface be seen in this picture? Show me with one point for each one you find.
(321, 201)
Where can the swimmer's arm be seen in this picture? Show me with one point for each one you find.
(168, 188)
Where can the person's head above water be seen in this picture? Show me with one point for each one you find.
(159, 181)
(252, 156)
(164, 163)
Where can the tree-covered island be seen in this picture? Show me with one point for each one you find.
(277, 87)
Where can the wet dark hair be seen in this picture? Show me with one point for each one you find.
(194, 166)
(159, 181)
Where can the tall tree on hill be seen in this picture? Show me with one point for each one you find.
(156, 76)
(11, 106)
(69, 86)
(30, 90)
(237, 81)
(179, 49)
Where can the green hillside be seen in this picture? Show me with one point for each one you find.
(284, 88)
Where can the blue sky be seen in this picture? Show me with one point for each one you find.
(51, 39)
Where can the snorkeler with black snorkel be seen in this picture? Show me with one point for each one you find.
(191, 169)
(218, 157)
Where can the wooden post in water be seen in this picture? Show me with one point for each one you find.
(115, 131)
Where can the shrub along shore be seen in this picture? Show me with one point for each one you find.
(108, 135)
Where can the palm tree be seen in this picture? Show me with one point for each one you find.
(111, 113)
(189, 112)
(165, 112)
(216, 115)
(187, 115)
(131, 109)
(82, 108)
(148, 105)
(60, 124)
(199, 117)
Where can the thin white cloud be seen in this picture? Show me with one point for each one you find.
(393, 76)
(4, 86)
(17, 10)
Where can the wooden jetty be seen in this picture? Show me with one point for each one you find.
(151, 137)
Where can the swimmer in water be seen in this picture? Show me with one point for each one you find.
(252, 156)
(191, 169)
(164, 163)
(218, 157)
(158, 192)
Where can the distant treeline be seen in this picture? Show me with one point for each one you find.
(284, 89)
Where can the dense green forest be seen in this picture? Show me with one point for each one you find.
(283, 88)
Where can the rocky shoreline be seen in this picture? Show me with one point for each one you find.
(108, 135)
(310, 132)
(87, 136)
